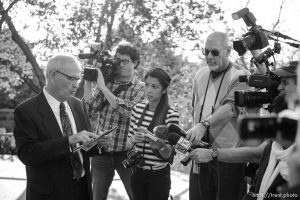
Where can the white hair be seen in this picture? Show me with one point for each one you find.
(223, 38)
(58, 63)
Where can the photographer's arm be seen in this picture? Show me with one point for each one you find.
(111, 98)
(261, 68)
(228, 109)
(231, 155)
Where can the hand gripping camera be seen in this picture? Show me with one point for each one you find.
(109, 65)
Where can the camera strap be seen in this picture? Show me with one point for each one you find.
(117, 91)
(206, 135)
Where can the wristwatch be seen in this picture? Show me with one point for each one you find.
(215, 153)
(205, 124)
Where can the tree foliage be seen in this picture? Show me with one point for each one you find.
(161, 29)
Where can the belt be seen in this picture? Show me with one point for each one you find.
(118, 153)
(153, 168)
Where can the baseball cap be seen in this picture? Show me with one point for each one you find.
(289, 70)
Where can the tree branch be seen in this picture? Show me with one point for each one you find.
(279, 14)
(248, 2)
(25, 78)
(101, 20)
(38, 73)
(11, 5)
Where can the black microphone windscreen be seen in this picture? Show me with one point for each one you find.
(173, 138)
(161, 131)
(176, 129)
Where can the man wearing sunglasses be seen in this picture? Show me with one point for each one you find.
(114, 109)
(215, 121)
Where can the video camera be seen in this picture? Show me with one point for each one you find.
(255, 38)
(285, 124)
(270, 82)
(109, 65)
(134, 158)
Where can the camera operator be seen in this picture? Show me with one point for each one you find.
(265, 152)
(114, 102)
(287, 98)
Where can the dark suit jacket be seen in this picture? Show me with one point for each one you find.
(45, 152)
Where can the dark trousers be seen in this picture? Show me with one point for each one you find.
(218, 181)
(80, 191)
(151, 184)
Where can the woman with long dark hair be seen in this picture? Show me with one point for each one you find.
(152, 180)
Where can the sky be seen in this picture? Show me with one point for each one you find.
(266, 13)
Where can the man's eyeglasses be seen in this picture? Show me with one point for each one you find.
(70, 78)
(123, 61)
(213, 52)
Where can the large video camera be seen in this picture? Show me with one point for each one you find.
(269, 82)
(109, 65)
(285, 124)
(255, 38)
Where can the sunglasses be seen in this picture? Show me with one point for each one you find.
(213, 52)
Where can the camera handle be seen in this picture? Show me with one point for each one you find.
(264, 56)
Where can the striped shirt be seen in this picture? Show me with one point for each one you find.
(151, 160)
(110, 117)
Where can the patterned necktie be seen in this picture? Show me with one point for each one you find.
(67, 131)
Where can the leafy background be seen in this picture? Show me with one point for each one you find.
(168, 33)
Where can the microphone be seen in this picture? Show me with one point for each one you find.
(86, 55)
(161, 131)
(158, 146)
(183, 145)
(176, 129)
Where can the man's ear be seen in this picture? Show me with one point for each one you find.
(52, 76)
(136, 64)
(228, 50)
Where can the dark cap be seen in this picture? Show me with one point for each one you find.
(285, 71)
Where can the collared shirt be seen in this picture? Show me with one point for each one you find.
(110, 117)
(54, 105)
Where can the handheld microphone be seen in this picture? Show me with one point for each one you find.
(183, 145)
(159, 147)
(161, 131)
(176, 129)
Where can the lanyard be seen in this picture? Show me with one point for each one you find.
(203, 103)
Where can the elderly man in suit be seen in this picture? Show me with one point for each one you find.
(47, 129)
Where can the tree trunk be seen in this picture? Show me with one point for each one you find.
(37, 71)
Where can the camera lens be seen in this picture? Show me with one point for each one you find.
(251, 98)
